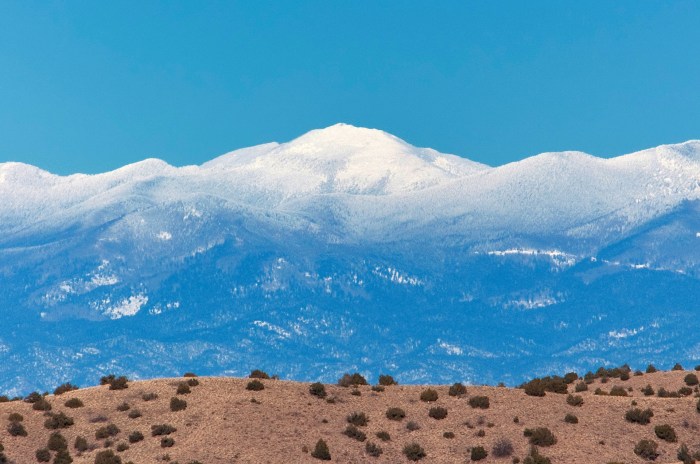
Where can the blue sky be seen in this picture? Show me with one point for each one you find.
(90, 86)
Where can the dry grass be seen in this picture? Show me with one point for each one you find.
(223, 425)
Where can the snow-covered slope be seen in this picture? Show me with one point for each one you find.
(301, 246)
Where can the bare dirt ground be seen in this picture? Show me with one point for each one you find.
(226, 423)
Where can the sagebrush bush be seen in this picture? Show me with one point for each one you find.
(534, 388)
(183, 388)
(162, 429)
(395, 414)
(357, 418)
(383, 435)
(134, 414)
(189, 374)
(123, 407)
(107, 457)
(81, 444)
(106, 431)
(412, 426)
(438, 413)
(480, 402)
(167, 442)
(429, 395)
(258, 374)
(373, 449)
(648, 390)
(121, 447)
(646, 449)
(33, 397)
(478, 453)
(119, 383)
(192, 382)
(58, 421)
(502, 448)
(149, 396)
(448, 435)
(41, 405)
(618, 391)
(43, 455)
(534, 457)
(581, 387)
(135, 437)
(317, 389)
(639, 416)
(414, 452)
(387, 380)
(665, 432)
(691, 380)
(176, 404)
(15, 417)
(574, 400)
(321, 451)
(651, 369)
(255, 385)
(62, 457)
(571, 419)
(16, 429)
(57, 442)
(684, 455)
(355, 379)
(457, 389)
(74, 403)
(355, 433)
(66, 387)
(677, 367)
(540, 436)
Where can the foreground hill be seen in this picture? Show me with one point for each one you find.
(225, 422)
(351, 244)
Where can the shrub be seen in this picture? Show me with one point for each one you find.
(16, 429)
(457, 389)
(638, 416)
(149, 396)
(57, 442)
(192, 382)
(106, 431)
(618, 391)
(377, 388)
(449, 435)
(438, 413)
(429, 395)
(684, 455)
(43, 455)
(571, 419)
(162, 429)
(15, 417)
(74, 403)
(395, 414)
(107, 457)
(685, 391)
(502, 448)
(258, 374)
(481, 402)
(33, 397)
(373, 449)
(478, 453)
(62, 457)
(665, 432)
(353, 432)
(321, 451)
(167, 442)
(122, 447)
(357, 418)
(387, 380)
(646, 449)
(648, 391)
(536, 458)
(534, 387)
(135, 437)
(677, 367)
(412, 426)
(98, 418)
(691, 380)
(119, 383)
(176, 404)
(107, 379)
(581, 387)
(383, 436)
(355, 379)
(255, 385)
(58, 421)
(123, 407)
(356, 392)
(66, 387)
(538, 386)
(651, 369)
(183, 388)
(574, 400)
(134, 414)
(81, 444)
(41, 405)
(414, 452)
(318, 390)
(540, 436)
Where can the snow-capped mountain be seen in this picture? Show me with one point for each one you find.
(348, 248)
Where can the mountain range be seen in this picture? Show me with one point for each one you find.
(349, 249)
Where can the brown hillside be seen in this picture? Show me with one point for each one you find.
(226, 423)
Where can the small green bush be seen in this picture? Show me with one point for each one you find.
(478, 453)
(66, 387)
(167, 442)
(192, 382)
(651, 369)
(534, 387)
(383, 436)
(646, 449)
(638, 416)
(355, 379)
(429, 395)
(448, 435)
(571, 419)
(121, 447)
(74, 403)
(135, 437)
(373, 449)
(691, 380)
(123, 407)
(457, 389)
(387, 380)
(62, 457)
(574, 400)
(43, 455)
(480, 402)
(57, 442)
(134, 414)
(81, 444)
(106, 431)
(16, 429)
(318, 390)
(581, 387)
(41, 405)
(357, 418)
(162, 429)
(258, 374)
(534, 457)
(176, 404)
(355, 433)
(149, 396)
(618, 391)
(437, 413)
(648, 391)
(183, 388)
(321, 451)
(540, 436)
(684, 455)
(502, 448)
(58, 421)
(255, 385)
(412, 426)
(414, 452)
(107, 457)
(665, 432)
(395, 414)
(677, 367)
(119, 383)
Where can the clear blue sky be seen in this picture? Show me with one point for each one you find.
(89, 86)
